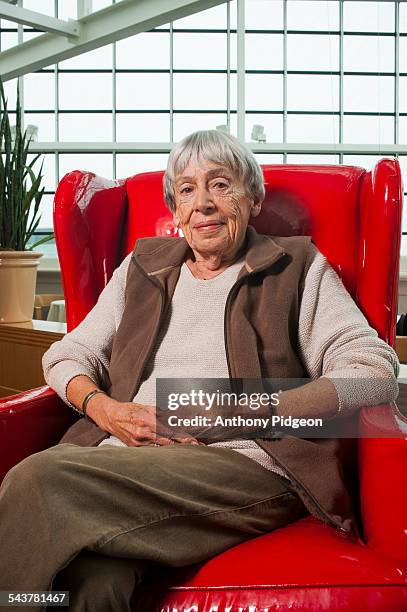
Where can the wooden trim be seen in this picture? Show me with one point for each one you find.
(22, 346)
(33, 333)
(29, 337)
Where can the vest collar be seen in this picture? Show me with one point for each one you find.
(161, 255)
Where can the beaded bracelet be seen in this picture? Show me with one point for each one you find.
(86, 400)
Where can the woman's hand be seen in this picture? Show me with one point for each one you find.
(134, 424)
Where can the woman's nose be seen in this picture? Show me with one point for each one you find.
(204, 201)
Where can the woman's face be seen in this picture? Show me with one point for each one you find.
(213, 208)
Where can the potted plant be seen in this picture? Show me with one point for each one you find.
(20, 198)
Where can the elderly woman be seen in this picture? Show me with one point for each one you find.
(223, 302)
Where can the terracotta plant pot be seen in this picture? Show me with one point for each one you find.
(18, 276)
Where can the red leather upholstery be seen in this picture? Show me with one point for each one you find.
(354, 217)
(30, 422)
(381, 449)
(304, 566)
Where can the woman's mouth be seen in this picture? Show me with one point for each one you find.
(208, 226)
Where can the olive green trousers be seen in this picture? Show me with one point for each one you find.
(89, 520)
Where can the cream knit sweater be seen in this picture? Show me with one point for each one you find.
(334, 340)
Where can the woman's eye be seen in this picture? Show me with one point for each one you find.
(221, 185)
(186, 190)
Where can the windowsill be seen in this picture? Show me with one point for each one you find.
(403, 268)
(49, 264)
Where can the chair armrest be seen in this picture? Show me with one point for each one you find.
(30, 422)
(382, 464)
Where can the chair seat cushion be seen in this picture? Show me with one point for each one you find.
(312, 566)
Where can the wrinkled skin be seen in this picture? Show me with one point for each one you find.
(207, 193)
(134, 424)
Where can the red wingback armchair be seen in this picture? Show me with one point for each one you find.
(354, 217)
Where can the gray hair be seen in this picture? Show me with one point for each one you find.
(219, 148)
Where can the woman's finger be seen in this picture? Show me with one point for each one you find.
(185, 440)
(163, 441)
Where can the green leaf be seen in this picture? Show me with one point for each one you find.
(20, 186)
(42, 241)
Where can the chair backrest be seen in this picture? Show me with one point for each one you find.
(353, 216)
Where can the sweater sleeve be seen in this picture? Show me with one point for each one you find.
(87, 349)
(336, 341)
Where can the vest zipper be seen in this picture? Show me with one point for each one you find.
(154, 336)
(231, 293)
(237, 284)
(321, 511)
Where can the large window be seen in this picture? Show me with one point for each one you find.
(326, 80)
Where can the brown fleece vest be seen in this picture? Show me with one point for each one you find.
(261, 331)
